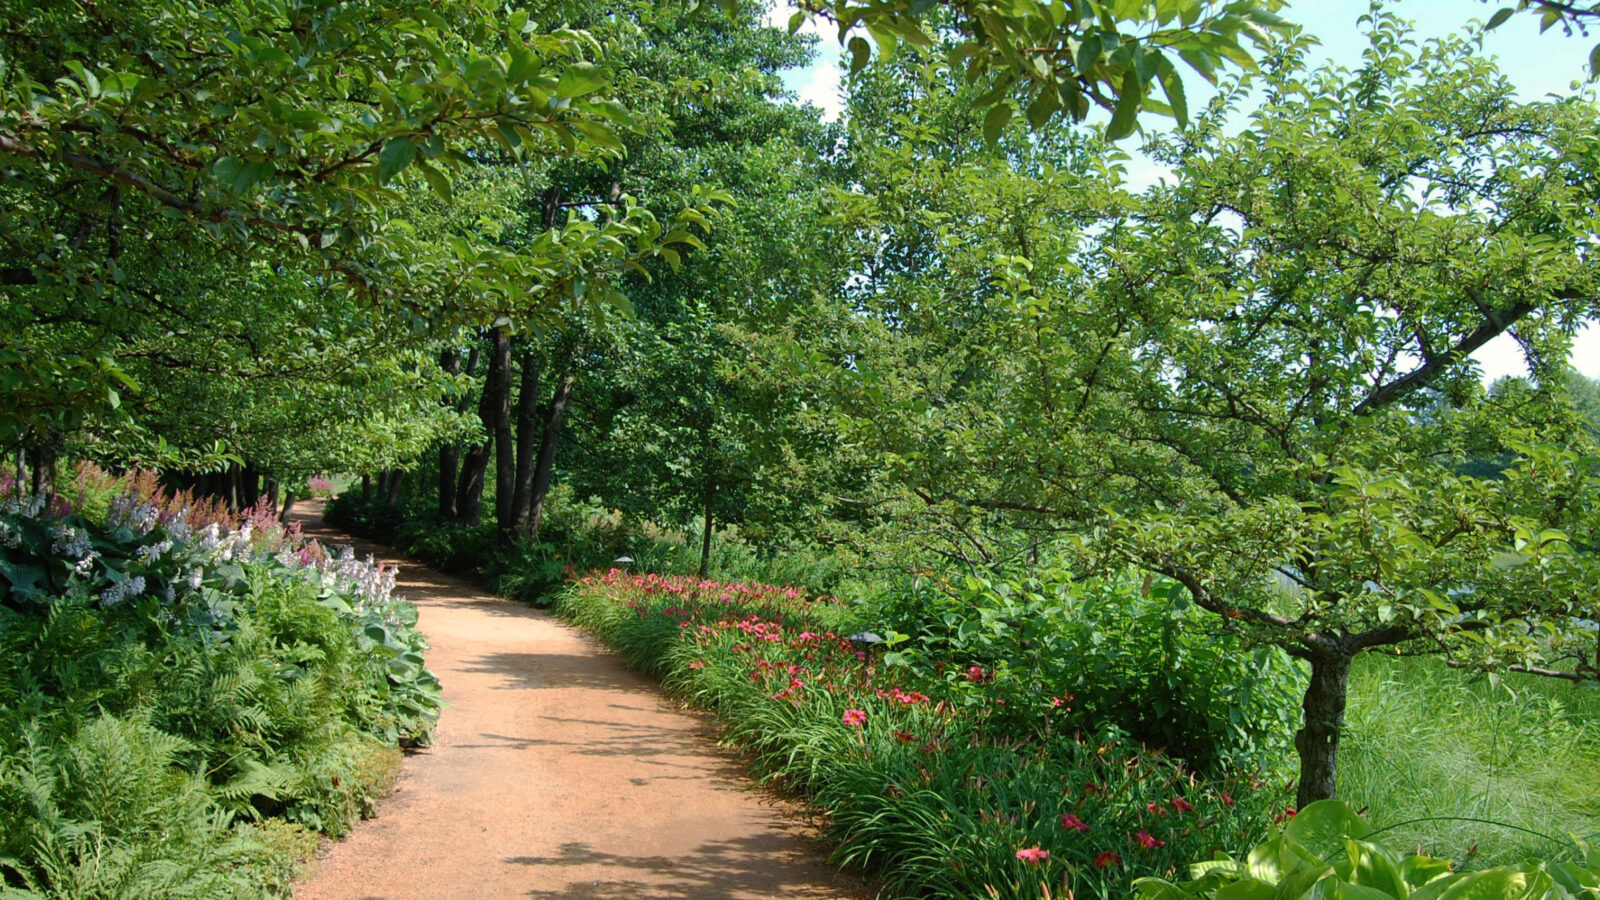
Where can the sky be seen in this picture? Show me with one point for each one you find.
(1538, 64)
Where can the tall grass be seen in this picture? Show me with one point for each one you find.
(1496, 775)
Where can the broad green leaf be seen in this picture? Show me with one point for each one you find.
(1126, 114)
(994, 123)
(1323, 827)
(580, 79)
(397, 153)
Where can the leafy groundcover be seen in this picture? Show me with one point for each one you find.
(188, 699)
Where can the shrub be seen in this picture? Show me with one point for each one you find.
(1131, 656)
(184, 697)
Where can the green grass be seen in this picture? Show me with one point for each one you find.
(1424, 741)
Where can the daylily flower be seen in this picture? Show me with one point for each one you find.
(1147, 841)
(1181, 805)
(1072, 823)
(1107, 859)
(855, 718)
(1033, 855)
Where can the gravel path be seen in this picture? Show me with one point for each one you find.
(558, 773)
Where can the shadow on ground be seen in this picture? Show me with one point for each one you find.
(716, 870)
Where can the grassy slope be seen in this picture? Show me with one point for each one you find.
(1425, 741)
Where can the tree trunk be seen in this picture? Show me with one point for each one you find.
(383, 483)
(1318, 739)
(545, 470)
(249, 486)
(44, 471)
(527, 420)
(495, 411)
(271, 493)
(705, 539)
(288, 504)
(395, 478)
(450, 452)
(366, 489)
(232, 487)
(469, 487)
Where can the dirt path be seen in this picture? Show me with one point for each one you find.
(558, 773)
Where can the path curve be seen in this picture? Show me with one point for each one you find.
(558, 773)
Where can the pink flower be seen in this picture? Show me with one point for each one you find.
(698, 664)
(1072, 823)
(1147, 841)
(1227, 799)
(1107, 859)
(1181, 805)
(975, 673)
(1033, 855)
(855, 718)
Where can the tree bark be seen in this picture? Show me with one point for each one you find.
(450, 452)
(527, 423)
(705, 539)
(469, 488)
(288, 504)
(395, 479)
(366, 489)
(44, 471)
(545, 470)
(496, 414)
(1318, 739)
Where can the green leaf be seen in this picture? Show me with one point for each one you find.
(580, 79)
(860, 54)
(396, 155)
(1042, 108)
(1323, 827)
(1127, 111)
(994, 124)
(1499, 18)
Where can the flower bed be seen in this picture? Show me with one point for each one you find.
(916, 786)
(187, 698)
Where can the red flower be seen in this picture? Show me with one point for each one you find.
(1107, 859)
(904, 737)
(1288, 813)
(1072, 823)
(1146, 841)
(1156, 810)
(975, 673)
(1033, 855)
(1181, 805)
(1227, 799)
(855, 718)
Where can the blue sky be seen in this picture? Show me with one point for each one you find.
(1537, 63)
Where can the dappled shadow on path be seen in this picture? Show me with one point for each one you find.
(535, 671)
(717, 870)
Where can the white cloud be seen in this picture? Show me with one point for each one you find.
(820, 83)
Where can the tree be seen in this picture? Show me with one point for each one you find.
(1225, 384)
(287, 134)
(1063, 59)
